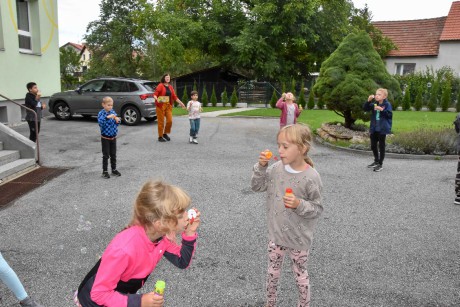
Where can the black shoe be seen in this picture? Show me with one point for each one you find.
(374, 164)
(378, 168)
(105, 175)
(457, 200)
(166, 137)
(161, 139)
(116, 173)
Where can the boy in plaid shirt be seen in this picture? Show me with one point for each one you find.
(108, 122)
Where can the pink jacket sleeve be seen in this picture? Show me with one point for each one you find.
(181, 255)
(280, 103)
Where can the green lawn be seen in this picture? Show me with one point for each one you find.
(403, 121)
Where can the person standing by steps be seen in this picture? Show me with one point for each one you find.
(32, 101)
(164, 98)
(381, 121)
(11, 280)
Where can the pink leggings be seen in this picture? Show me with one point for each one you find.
(299, 267)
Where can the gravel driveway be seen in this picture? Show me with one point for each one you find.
(385, 239)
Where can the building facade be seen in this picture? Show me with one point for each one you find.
(29, 52)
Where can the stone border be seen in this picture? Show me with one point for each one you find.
(387, 154)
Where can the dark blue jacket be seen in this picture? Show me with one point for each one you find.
(386, 116)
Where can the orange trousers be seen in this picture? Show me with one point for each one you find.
(164, 110)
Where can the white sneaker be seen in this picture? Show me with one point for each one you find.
(195, 141)
(190, 139)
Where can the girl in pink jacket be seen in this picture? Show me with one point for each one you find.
(289, 110)
(159, 214)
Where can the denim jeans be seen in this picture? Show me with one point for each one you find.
(194, 126)
(11, 280)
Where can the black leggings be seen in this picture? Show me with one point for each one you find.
(376, 137)
(33, 136)
(109, 149)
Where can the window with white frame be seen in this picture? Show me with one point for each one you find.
(404, 68)
(24, 32)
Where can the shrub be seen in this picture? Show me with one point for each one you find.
(185, 98)
(234, 98)
(395, 105)
(213, 97)
(204, 97)
(293, 87)
(274, 99)
(224, 97)
(320, 103)
(418, 99)
(302, 102)
(311, 101)
(446, 96)
(433, 102)
(406, 100)
(458, 102)
(425, 141)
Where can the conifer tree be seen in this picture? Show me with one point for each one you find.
(311, 100)
(213, 97)
(274, 99)
(418, 99)
(302, 102)
(185, 97)
(433, 102)
(446, 96)
(204, 96)
(224, 97)
(321, 103)
(234, 98)
(406, 100)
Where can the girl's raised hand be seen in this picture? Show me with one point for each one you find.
(264, 157)
(290, 201)
(152, 300)
(193, 224)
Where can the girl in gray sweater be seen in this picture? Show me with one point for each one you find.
(292, 217)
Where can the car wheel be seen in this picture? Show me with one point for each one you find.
(130, 116)
(62, 111)
(151, 119)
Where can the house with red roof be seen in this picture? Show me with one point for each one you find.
(422, 43)
(84, 53)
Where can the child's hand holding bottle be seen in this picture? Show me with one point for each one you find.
(152, 300)
(264, 157)
(290, 201)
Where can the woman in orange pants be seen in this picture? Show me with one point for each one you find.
(164, 97)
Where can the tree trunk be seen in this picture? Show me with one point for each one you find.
(349, 120)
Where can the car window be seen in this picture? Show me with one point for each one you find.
(113, 86)
(132, 87)
(150, 86)
(94, 86)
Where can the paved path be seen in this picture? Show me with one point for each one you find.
(385, 239)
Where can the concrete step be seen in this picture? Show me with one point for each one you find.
(9, 169)
(7, 156)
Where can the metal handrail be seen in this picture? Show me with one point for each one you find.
(36, 124)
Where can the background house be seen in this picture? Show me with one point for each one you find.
(29, 51)
(423, 43)
(85, 56)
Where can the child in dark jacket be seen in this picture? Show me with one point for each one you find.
(108, 122)
(381, 121)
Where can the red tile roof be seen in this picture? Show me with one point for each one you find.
(452, 26)
(413, 37)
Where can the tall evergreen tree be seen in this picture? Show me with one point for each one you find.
(204, 96)
(213, 96)
(185, 96)
(274, 99)
(418, 99)
(433, 102)
(234, 98)
(311, 100)
(446, 96)
(406, 100)
(347, 77)
(301, 101)
(224, 97)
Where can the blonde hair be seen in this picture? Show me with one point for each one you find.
(289, 96)
(107, 99)
(159, 201)
(384, 91)
(300, 135)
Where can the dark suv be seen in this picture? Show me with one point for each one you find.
(132, 99)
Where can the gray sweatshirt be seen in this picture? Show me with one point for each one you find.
(293, 228)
